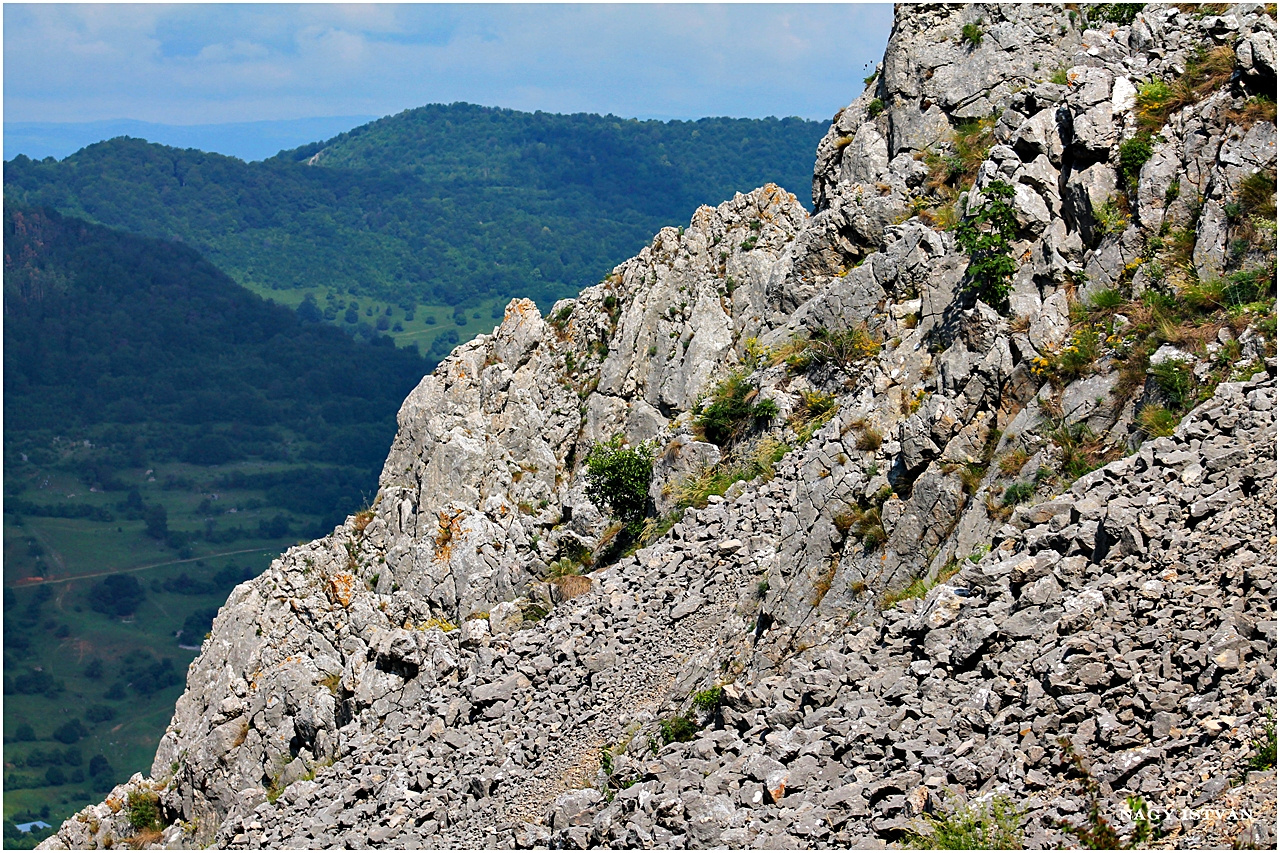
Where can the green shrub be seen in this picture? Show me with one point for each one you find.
(1082, 450)
(1059, 77)
(985, 237)
(707, 701)
(864, 520)
(1205, 72)
(561, 317)
(1134, 153)
(144, 810)
(1249, 286)
(733, 410)
(694, 491)
(1018, 493)
(1152, 104)
(679, 729)
(918, 588)
(618, 480)
(1078, 357)
(994, 826)
(875, 108)
(1264, 748)
(814, 411)
(972, 33)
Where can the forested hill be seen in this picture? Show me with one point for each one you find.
(445, 204)
(153, 353)
(662, 169)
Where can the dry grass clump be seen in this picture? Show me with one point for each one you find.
(572, 586)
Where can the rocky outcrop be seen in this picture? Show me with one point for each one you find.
(421, 678)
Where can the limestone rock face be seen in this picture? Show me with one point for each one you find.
(423, 677)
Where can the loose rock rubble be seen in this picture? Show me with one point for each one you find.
(417, 678)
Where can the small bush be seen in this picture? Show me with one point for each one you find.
(679, 729)
(1082, 450)
(144, 810)
(1059, 77)
(842, 348)
(1134, 153)
(561, 317)
(918, 588)
(1152, 105)
(1264, 748)
(694, 491)
(733, 410)
(972, 33)
(618, 480)
(815, 403)
(971, 477)
(1018, 493)
(864, 521)
(995, 826)
(563, 567)
(814, 411)
(985, 237)
(875, 108)
(707, 701)
(439, 622)
(1205, 72)
(1156, 421)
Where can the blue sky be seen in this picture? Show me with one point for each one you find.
(201, 64)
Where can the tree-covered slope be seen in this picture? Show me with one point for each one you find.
(150, 350)
(662, 169)
(444, 205)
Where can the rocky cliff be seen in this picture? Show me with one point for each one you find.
(965, 528)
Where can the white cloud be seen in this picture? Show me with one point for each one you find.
(201, 63)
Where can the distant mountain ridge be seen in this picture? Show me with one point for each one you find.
(441, 204)
(247, 140)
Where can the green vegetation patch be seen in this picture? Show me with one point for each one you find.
(618, 480)
(985, 236)
(994, 825)
(445, 204)
(733, 409)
